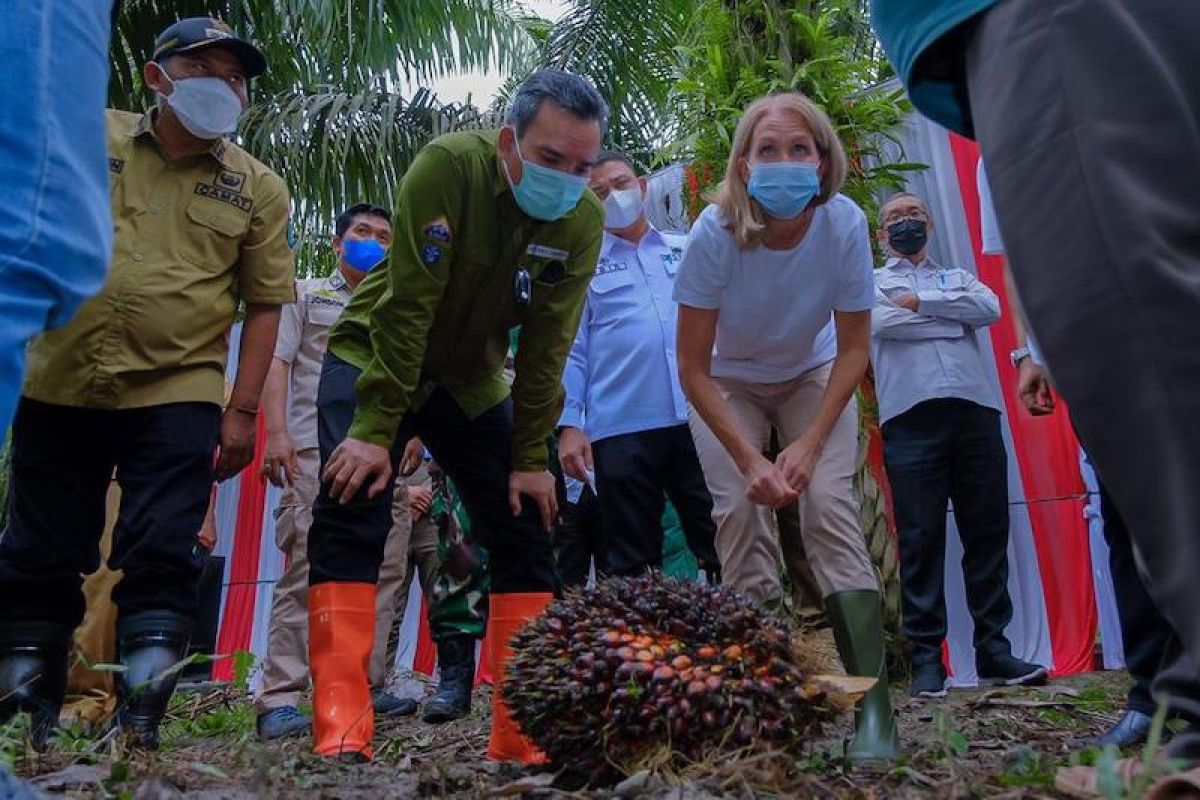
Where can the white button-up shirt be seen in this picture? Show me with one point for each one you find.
(934, 352)
(621, 374)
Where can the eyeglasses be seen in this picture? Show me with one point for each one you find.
(914, 214)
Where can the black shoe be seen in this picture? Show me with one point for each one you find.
(1132, 729)
(151, 645)
(1006, 670)
(33, 674)
(928, 681)
(387, 704)
(456, 666)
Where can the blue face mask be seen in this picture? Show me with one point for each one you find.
(544, 193)
(784, 188)
(363, 255)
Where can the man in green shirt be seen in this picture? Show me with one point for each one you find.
(492, 230)
(1087, 115)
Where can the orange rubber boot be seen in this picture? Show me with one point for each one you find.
(506, 614)
(341, 633)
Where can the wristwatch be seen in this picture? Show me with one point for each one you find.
(1018, 355)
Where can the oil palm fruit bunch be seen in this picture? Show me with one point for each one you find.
(652, 667)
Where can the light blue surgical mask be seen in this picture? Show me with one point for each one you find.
(784, 188)
(363, 254)
(544, 193)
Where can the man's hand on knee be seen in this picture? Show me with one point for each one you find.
(354, 464)
(539, 487)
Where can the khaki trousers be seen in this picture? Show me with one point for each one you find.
(829, 515)
(285, 668)
(91, 698)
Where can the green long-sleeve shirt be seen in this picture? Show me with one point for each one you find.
(439, 314)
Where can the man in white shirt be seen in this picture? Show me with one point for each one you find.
(942, 442)
(621, 376)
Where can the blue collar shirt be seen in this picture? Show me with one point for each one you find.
(621, 374)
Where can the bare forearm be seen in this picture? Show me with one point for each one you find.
(1014, 306)
(706, 398)
(255, 355)
(848, 370)
(274, 397)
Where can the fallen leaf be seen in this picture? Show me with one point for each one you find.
(75, 776)
(209, 770)
(523, 786)
(854, 685)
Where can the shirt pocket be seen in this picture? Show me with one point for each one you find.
(324, 315)
(613, 296)
(214, 233)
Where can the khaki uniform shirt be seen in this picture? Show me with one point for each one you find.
(440, 314)
(303, 338)
(193, 237)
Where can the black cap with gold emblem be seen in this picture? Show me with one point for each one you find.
(196, 33)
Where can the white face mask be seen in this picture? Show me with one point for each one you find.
(622, 208)
(206, 106)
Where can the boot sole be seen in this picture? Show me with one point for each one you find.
(442, 717)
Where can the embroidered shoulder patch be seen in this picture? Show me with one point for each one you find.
(438, 231)
(431, 253)
(116, 165)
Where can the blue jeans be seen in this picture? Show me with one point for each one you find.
(55, 225)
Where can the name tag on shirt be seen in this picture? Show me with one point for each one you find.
(948, 280)
(542, 251)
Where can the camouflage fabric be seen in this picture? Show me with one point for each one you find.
(458, 604)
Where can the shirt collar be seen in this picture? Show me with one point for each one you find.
(610, 241)
(904, 263)
(145, 127)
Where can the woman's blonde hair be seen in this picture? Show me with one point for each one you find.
(744, 217)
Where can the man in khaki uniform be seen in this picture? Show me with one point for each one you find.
(136, 382)
(362, 235)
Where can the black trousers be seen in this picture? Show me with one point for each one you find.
(579, 539)
(1145, 633)
(62, 463)
(345, 542)
(938, 452)
(633, 471)
(1100, 231)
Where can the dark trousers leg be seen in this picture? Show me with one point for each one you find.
(165, 471)
(1144, 632)
(1089, 120)
(979, 492)
(62, 462)
(631, 501)
(683, 478)
(579, 539)
(476, 454)
(916, 452)
(345, 541)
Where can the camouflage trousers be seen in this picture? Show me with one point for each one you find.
(458, 599)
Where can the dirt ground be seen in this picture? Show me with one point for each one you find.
(975, 743)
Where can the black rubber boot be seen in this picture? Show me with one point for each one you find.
(151, 645)
(33, 674)
(456, 666)
(857, 621)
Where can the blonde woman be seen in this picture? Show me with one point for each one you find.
(775, 292)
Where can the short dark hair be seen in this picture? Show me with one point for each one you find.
(566, 89)
(346, 218)
(615, 155)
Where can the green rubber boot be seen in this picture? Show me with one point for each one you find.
(858, 630)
